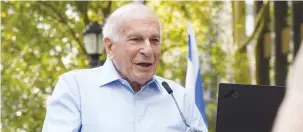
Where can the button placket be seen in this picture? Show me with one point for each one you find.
(134, 113)
(137, 113)
(138, 119)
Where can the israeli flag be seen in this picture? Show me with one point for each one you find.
(193, 75)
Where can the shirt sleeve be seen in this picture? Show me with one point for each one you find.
(192, 114)
(63, 107)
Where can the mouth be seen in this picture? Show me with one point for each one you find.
(145, 64)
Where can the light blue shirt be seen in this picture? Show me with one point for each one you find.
(99, 100)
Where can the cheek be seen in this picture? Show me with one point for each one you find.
(157, 52)
(132, 51)
(130, 54)
(120, 55)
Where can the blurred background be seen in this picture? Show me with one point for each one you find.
(238, 42)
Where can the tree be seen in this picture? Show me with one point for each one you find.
(263, 46)
(241, 65)
(42, 40)
(281, 41)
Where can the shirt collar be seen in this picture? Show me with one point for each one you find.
(109, 74)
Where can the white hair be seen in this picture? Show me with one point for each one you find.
(126, 12)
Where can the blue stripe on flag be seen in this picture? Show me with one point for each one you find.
(189, 48)
(199, 100)
(199, 96)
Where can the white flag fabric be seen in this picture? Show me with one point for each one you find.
(193, 75)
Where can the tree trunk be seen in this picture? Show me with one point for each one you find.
(282, 42)
(263, 47)
(240, 64)
(239, 21)
(297, 18)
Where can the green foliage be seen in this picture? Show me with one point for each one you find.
(42, 40)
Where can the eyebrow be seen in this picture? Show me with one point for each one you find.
(155, 36)
(134, 35)
(138, 35)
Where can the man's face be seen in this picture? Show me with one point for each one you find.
(136, 53)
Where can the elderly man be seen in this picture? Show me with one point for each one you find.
(123, 95)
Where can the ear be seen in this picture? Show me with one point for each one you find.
(108, 45)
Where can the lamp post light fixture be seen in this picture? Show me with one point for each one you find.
(93, 42)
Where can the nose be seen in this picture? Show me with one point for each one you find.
(146, 48)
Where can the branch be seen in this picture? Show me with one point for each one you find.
(256, 33)
(106, 11)
(82, 6)
(169, 47)
(257, 29)
(64, 21)
(185, 11)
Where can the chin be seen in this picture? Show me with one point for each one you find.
(143, 79)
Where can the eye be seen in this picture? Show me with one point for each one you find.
(135, 39)
(154, 40)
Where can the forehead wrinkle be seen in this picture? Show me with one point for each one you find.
(112, 28)
(128, 28)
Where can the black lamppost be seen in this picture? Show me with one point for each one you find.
(93, 42)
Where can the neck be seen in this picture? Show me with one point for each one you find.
(136, 86)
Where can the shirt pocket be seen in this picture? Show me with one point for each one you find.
(96, 118)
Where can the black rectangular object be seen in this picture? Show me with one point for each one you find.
(247, 108)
